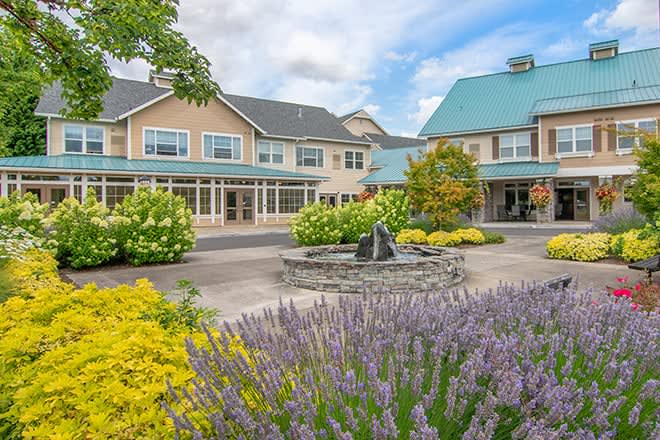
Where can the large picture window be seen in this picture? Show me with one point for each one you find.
(222, 146)
(354, 160)
(158, 142)
(83, 139)
(309, 157)
(271, 152)
(630, 133)
(515, 146)
(571, 140)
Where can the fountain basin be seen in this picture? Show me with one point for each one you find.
(331, 269)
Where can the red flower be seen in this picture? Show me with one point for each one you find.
(623, 292)
(622, 279)
(638, 287)
(634, 306)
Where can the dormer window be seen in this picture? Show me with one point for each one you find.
(604, 49)
(520, 64)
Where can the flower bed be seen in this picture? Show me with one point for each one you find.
(629, 246)
(437, 366)
(448, 239)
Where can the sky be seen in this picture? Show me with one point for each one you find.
(397, 59)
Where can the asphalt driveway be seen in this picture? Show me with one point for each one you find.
(247, 279)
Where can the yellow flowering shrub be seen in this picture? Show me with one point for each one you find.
(24, 211)
(469, 235)
(82, 232)
(356, 219)
(392, 207)
(630, 247)
(154, 226)
(86, 363)
(442, 238)
(579, 247)
(316, 224)
(411, 236)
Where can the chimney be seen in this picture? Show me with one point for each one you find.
(161, 79)
(520, 64)
(603, 50)
(300, 112)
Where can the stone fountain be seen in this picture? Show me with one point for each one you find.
(376, 264)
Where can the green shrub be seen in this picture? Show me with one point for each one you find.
(421, 223)
(634, 248)
(442, 238)
(393, 209)
(470, 236)
(23, 211)
(316, 224)
(579, 247)
(356, 219)
(493, 237)
(411, 236)
(154, 226)
(83, 233)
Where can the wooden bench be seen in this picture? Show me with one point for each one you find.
(559, 282)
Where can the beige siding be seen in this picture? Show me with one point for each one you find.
(114, 141)
(596, 117)
(359, 126)
(484, 140)
(174, 113)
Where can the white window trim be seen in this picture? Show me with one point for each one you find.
(271, 152)
(515, 157)
(349, 194)
(210, 133)
(161, 156)
(84, 139)
(309, 146)
(635, 122)
(364, 160)
(574, 153)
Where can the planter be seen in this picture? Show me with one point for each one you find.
(542, 215)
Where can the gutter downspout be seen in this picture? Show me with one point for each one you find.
(254, 148)
(129, 143)
(47, 136)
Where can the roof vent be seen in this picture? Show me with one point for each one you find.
(604, 49)
(300, 112)
(520, 64)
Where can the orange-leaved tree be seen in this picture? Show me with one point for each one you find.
(443, 183)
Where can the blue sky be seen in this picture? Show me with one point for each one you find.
(396, 58)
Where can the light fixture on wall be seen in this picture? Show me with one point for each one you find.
(144, 181)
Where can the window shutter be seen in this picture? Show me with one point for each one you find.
(496, 147)
(535, 144)
(611, 137)
(596, 139)
(552, 141)
(336, 161)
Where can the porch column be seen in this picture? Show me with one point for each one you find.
(264, 201)
(83, 187)
(222, 203)
(305, 200)
(103, 192)
(197, 199)
(71, 187)
(255, 210)
(212, 201)
(3, 184)
(19, 186)
(277, 201)
(488, 205)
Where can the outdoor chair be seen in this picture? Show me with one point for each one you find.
(515, 211)
(501, 213)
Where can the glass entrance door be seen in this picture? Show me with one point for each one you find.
(239, 206)
(582, 204)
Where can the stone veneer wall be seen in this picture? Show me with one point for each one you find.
(436, 269)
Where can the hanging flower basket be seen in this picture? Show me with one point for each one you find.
(606, 194)
(541, 196)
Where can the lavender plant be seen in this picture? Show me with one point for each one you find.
(620, 221)
(520, 363)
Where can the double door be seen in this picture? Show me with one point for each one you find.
(52, 195)
(239, 207)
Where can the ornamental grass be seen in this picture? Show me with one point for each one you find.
(507, 363)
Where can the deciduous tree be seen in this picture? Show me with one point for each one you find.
(646, 189)
(443, 182)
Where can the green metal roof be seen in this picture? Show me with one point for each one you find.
(637, 95)
(114, 164)
(517, 169)
(506, 99)
(394, 162)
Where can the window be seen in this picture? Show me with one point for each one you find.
(347, 197)
(271, 152)
(204, 201)
(309, 157)
(165, 142)
(515, 146)
(115, 194)
(474, 149)
(629, 133)
(571, 140)
(354, 160)
(516, 194)
(291, 200)
(189, 194)
(222, 146)
(83, 139)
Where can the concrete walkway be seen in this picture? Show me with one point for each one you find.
(245, 280)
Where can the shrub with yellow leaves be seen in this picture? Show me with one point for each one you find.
(411, 236)
(579, 247)
(444, 239)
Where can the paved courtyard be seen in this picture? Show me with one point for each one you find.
(245, 280)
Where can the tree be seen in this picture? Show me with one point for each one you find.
(646, 189)
(443, 182)
(71, 39)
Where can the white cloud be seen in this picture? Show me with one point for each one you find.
(637, 15)
(372, 109)
(425, 108)
(564, 49)
(408, 57)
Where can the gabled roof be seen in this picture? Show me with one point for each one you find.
(504, 100)
(113, 164)
(287, 119)
(361, 113)
(124, 95)
(387, 142)
(348, 116)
